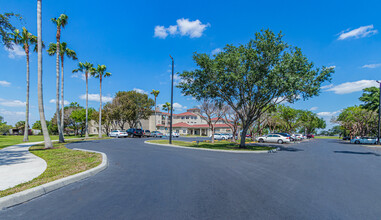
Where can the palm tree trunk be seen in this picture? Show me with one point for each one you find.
(48, 142)
(100, 107)
(26, 130)
(62, 95)
(87, 100)
(155, 113)
(61, 139)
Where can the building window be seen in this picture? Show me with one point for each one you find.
(187, 117)
(184, 131)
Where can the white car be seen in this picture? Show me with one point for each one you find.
(274, 138)
(218, 136)
(174, 134)
(298, 137)
(230, 136)
(364, 140)
(118, 134)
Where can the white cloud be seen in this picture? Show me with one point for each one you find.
(17, 51)
(350, 87)
(216, 51)
(328, 114)
(332, 67)
(360, 32)
(54, 101)
(327, 86)
(79, 76)
(313, 108)
(5, 83)
(160, 32)
(95, 97)
(12, 103)
(140, 91)
(184, 27)
(371, 66)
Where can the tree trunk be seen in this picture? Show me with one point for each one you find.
(155, 113)
(100, 107)
(243, 137)
(87, 101)
(26, 130)
(61, 139)
(48, 142)
(62, 95)
(212, 127)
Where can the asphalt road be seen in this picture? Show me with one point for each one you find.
(320, 179)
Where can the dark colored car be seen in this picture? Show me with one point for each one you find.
(134, 132)
(346, 138)
(310, 136)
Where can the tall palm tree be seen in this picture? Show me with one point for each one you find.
(64, 51)
(25, 39)
(60, 22)
(167, 107)
(48, 142)
(100, 72)
(87, 68)
(155, 93)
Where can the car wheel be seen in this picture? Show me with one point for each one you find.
(117, 136)
(280, 141)
(260, 141)
(357, 142)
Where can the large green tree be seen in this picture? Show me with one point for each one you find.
(100, 72)
(87, 68)
(80, 118)
(371, 98)
(64, 51)
(60, 23)
(47, 140)
(4, 128)
(6, 27)
(25, 39)
(253, 77)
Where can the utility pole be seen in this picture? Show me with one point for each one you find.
(379, 115)
(170, 125)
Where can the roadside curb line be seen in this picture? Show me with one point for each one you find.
(224, 151)
(29, 194)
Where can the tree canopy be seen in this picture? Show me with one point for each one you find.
(253, 77)
(371, 98)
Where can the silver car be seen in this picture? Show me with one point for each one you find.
(364, 140)
(274, 138)
(118, 134)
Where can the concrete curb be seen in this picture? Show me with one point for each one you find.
(224, 151)
(21, 197)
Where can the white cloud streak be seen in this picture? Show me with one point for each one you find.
(363, 31)
(183, 27)
(5, 83)
(328, 114)
(140, 91)
(95, 97)
(216, 51)
(16, 52)
(313, 108)
(54, 101)
(12, 103)
(372, 66)
(350, 87)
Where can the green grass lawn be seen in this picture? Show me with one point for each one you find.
(327, 137)
(62, 162)
(9, 140)
(218, 145)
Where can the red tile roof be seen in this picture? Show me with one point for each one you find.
(186, 125)
(186, 114)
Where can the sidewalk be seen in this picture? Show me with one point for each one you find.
(18, 165)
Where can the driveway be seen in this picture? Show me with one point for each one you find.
(319, 179)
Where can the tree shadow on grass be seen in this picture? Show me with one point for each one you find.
(360, 153)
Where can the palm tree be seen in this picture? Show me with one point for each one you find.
(48, 142)
(155, 93)
(167, 107)
(70, 54)
(60, 22)
(100, 72)
(25, 39)
(87, 68)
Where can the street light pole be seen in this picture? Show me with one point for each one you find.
(170, 125)
(379, 115)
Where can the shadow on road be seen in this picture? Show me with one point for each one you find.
(289, 149)
(354, 152)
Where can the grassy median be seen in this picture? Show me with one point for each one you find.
(218, 145)
(61, 162)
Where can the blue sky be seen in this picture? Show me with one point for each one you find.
(121, 35)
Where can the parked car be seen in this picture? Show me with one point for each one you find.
(134, 132)
(147, 133)
(156, 134)
(219, 136)
(287, 135)
(298, 137)
(310, 136)
(346, 138)
(174, 134)
(274, 138)
(364, 140)
(230, 136)
(118, 134)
